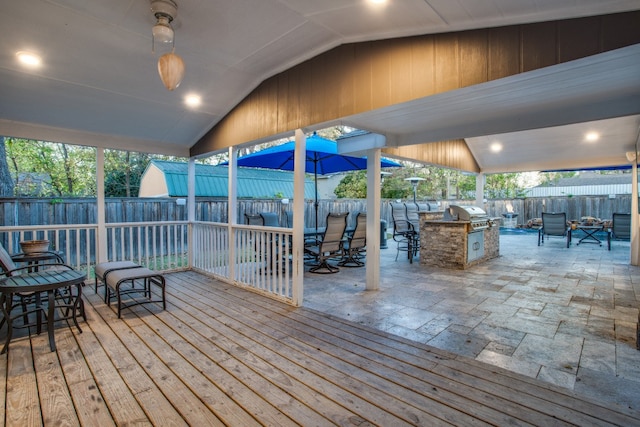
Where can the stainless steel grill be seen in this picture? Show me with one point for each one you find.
(477, 217)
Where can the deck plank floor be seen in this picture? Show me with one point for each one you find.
(220, 355)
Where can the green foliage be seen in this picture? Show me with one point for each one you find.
(123, 172)
(503, 186)
(6, 183)
(352, 186)
(71, 168)
(64, 170)
(439, 183)
(548, 178)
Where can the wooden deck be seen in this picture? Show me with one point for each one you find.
(220, 355)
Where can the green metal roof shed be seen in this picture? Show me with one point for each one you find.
(169, 179)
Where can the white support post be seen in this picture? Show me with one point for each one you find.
(232, 212)
(191, 206)
(635, 220)
(101, 255)
(297, 275)
(373, 219)
(480, 180)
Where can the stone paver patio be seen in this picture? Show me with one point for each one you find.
(565, 316)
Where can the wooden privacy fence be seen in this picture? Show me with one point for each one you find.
(50, 211)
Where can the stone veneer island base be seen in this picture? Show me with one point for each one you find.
(448, 244)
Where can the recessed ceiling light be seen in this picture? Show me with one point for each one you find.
(192, 100)
(496, 147)
(29, 59)
(378, 2)
(592, 136)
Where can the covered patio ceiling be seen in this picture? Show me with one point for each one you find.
(540, 118)
(98, 84)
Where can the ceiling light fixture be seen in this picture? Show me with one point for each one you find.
(29, 59)
(162, 32)
(192, 100)
(592, 136)
(170, 65)
(496, 147)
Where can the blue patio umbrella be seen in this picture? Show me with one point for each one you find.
(321, 158)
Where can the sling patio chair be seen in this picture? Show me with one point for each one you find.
(403, 231)
(620, 228)
(356, 243)
(270, 219)
(412, 215)
(289, 219)
(330, 244)
(253, 219)
(554, 224)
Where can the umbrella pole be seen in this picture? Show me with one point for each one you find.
(315, 176)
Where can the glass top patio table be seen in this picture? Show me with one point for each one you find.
(36, 282)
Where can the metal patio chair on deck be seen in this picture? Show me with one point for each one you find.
(554, 224)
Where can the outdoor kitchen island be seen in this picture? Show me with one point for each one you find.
(459, 237)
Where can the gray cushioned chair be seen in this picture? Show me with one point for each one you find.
(554, 224)
(330, 245)
(620, 228)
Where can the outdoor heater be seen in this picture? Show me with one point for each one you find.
(414, 180)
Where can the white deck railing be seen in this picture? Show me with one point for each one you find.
(162, 246)
(76, 242)
(261, 259)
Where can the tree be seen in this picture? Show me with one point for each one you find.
(123, 172)
(352, 186)
(6, 182)
(547, 178)
(71, 168)
(437, 184)
(502, 185)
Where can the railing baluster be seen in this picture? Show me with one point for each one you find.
(262, 256)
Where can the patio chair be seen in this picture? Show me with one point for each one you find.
(253, 219)
(289, 218)
(356, 243)
(554, 224)
(403, 232)
(423, 207)
(412, 216)
(270, 219)
(330, 244)
(620, 228)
